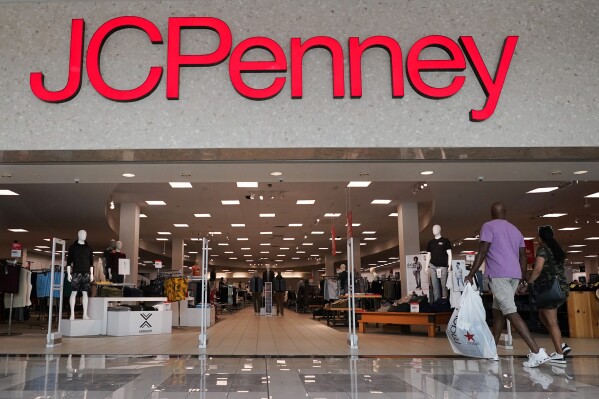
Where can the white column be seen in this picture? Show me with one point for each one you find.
(409, 237)
(177, 253)
(129, 236)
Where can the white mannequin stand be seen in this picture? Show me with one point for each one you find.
(81, 235)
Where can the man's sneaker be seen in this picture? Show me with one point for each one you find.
(556, 358)
(566, 349)
(536, 359)
(538, 377)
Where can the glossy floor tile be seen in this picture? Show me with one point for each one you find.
(206, 377)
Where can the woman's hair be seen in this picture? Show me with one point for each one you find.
(546, 234)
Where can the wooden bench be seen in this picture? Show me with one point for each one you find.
(431, 320)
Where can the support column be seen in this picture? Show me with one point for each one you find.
(409, 237)
(129, 236)
(329, 265)
(177, 254)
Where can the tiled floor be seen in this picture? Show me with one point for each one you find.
(195, 377)
(282, 357)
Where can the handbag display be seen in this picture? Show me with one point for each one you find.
(547, 292)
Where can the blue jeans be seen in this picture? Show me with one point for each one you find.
(439, 284)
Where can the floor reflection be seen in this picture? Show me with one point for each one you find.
(205, 377)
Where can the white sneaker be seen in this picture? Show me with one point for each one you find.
(556, 358)
(536, 359)
(538, 377)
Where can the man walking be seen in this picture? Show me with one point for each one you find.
(502, 245)
(256, 287)
(279, 287)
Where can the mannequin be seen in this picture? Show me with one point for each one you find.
(80, 271)
(279, 288)
(438, 259)
(268, 275)
(111, 247)
(342, 277)
(113, 263)
(196, 271)
(256, 287)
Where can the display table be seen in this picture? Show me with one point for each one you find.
(139, 323)
(98, 307)
(367, 301)
(407, 319)
(583, 314)
(335, 315)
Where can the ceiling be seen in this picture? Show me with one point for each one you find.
(59, 199)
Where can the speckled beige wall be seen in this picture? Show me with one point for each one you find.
(550, 97)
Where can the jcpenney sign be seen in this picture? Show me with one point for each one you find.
(491, 82)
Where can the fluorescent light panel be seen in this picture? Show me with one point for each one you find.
(317, 232)
(237, 225)
(181, 225)
(247, 184)
(164, 233)
(202, 215)
(180, 184)
(265, 233)
(155, 203)
(380, 201)
(554, 215)
(332, 215)
(267, 215)
(305, 202)
(143, 215)
(596, 195)
(18, 230)
(542, 190)
(295, 224)
(7, 192)
(229, 202)
(358, 184)
(569, 228)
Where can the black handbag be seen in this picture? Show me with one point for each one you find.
(546, 292)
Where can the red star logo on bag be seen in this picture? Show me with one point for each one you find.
(469, 336)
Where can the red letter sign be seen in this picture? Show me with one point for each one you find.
(176, 59)
(36, 79)
(93, 59)
(416, 65)
(237, 66)
(297, 54)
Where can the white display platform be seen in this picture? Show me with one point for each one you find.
(80, 327)
(139, 323)
(98, 307)
(183, 316)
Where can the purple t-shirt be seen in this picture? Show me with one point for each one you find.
(503, 258)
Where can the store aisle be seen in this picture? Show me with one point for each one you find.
(205, 377)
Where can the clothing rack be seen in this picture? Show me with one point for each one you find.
(12, 297)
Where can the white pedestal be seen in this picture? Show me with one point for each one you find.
(194, 317)
(139, 323)
(80, 327)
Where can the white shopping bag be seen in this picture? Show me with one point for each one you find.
(467, 330)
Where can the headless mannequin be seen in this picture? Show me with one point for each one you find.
(113, 260)
(437, 262)
(81, 236)
(268, 275)
(111, 247)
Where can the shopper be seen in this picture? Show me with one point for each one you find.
(502, 245)
(279, 287)
(549, 263)
(256, 287)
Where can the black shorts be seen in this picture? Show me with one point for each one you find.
(80, 282)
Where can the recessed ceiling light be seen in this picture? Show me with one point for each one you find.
(381, 261)
(47, 247)
(288, 239)
(193, 252)
(315, 255)
(332, 215)
(574, 252)
(369, 238)
(233, 258)
(242, 239)
(284, 249)
(215, 233)
(237, 225)
(162, 239)
(470, 239)
(427, 172)
(295, 258)
(265, 244)
(276, 173)
(542, 190)
(247, 184)
(300, 252)
(155, 202)
(323, 248)
(7, 192)
(393, 214)
(264, 252)
(278, 260)
(128, 175)
(181, 225)
(590, 256)
(596, 195)
(37, 249)
(223, 244)
(247, 255)
(554, 215)
(228, 252)
(380, 201)
(362, 243)
(317, 232)
(202, 215)
(577, 246)
(180, 184)
(581, 172)
(230, 202)
(358, 184)
(569, 228)
(265, 233)
(281, 255)
(336, 239)
(369, 232)
(529, 238)
(308, 243)
(164, 233)
(267, 215)
(295, 224)
(246, 249)
(592, 238)
(305, 202)
(47, 239)
(143, 215)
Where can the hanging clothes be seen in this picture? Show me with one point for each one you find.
(175, 288)
(10, 278)
(23, 297)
